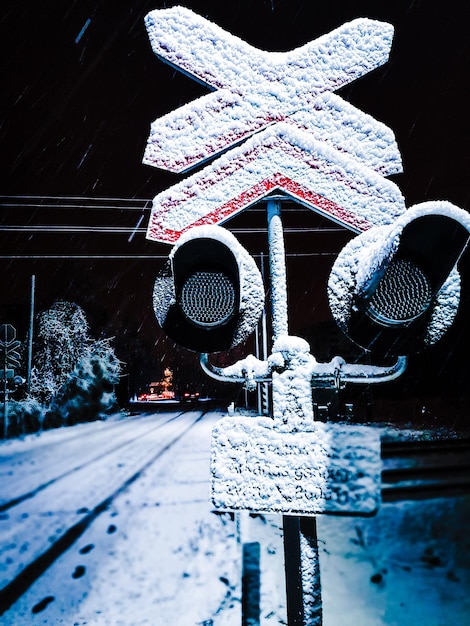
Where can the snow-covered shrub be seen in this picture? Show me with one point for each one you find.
(24, 416)
(88, 392)
(62, 336)
(73, 376)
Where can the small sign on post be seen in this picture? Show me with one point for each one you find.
(331, 468)
(9, 355)
(9, 345)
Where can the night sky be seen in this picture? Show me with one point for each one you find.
(80, 88)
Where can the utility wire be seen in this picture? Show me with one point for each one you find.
(107, 203)
(136, 256)
(81, 198)
(136, 229)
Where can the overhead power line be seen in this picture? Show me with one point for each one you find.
(118, 230)
(84, 257)
(74, 203)
(97, 199)
(108, 203)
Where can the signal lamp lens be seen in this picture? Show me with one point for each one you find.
(403, 294)
(208, 298)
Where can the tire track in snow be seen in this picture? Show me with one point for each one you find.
(30, 494)
(23, 581)
(73, 436)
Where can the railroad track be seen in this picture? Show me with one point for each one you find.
(75, 469)
(416, 470)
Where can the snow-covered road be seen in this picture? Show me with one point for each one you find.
(110, 524)
(117, 514)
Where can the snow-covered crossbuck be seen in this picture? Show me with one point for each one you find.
(276, 119)
(254, 88)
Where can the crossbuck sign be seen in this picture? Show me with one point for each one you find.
(280, 126)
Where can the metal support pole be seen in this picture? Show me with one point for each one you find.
(262, 352)
(310, 569)
(5, 386)
(303, 588)
(304, 605)
(30, 335)
(292, 560)
(277, 265)
(5, 406)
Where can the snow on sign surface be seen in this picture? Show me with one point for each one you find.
(296, 135)
(326, 469)
(279, 158)
(254, 88)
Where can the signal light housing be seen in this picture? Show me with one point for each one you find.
(395, 289)
(210, 295)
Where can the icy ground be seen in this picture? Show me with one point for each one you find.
(158, 555)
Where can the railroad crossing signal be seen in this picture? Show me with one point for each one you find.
(9, 359)
(9, 355)
(304, 141)
(281, 129)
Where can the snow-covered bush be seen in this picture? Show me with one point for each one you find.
(73, 376)
(25, 416)
(61, 338)
(88, 392)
